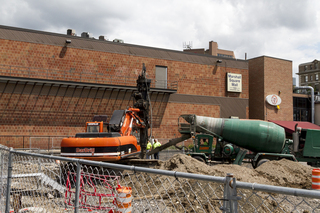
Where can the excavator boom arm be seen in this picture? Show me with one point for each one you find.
(131, 118)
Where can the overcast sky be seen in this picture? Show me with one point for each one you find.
(287, 29)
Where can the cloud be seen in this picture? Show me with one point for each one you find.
(283, 29)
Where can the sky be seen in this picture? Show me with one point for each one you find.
(286, 29)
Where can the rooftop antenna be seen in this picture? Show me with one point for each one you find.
(187, 46)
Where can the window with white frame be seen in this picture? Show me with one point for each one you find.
(161, 77)
(306, 78)
(317, 77)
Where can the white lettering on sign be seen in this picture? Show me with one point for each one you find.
(234, 82)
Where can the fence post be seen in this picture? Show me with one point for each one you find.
(39, 171)
(230, 198)
(77, 194)
(48, 144)
(1, 175)
(9, 181)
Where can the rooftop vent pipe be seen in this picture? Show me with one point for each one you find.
(71, 32)
(85, 35)
(118, 40)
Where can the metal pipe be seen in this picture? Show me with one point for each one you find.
(312, 99)
(1, 180)
(77, 194)
(279, 190)
(9, 181)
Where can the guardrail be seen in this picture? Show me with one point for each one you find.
(50, 183)
(84, 75)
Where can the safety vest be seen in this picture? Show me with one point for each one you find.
(149, 146)
(157, 144)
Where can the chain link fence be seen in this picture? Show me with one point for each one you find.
(33, 182)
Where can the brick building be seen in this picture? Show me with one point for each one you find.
(51, 84)
(270, 76)
(309, 74)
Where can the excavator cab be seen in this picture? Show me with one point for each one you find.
(116, 120)
(98, 124)
(93, 126)
(203, 143)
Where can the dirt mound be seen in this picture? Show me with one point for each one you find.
(287, 173)
(279, 173)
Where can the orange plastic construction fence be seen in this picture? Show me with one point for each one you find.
(316, 179)
(123, 200)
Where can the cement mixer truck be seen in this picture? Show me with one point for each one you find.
(237, 141)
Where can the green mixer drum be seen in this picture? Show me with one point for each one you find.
(255, 135)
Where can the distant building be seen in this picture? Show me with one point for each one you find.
(213, 50)
(309, 74)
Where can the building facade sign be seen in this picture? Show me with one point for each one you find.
(234, 82)
(273, 100)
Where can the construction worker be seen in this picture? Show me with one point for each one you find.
(155, 145)
(205, 143)
(149, 145)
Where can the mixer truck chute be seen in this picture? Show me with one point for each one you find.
(236, 141)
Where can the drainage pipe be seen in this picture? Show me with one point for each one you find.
(312, 99)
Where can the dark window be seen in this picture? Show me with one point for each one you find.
(301, 109)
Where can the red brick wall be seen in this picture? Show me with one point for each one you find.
(278, 77)
(193, 79)
(256, 88)
(269, 76)
(169, 127)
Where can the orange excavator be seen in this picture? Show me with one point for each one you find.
(124, 136)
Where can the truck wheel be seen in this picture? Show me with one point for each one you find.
(199, 159)
(262, 161)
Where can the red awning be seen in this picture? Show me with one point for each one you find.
(289, 125)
